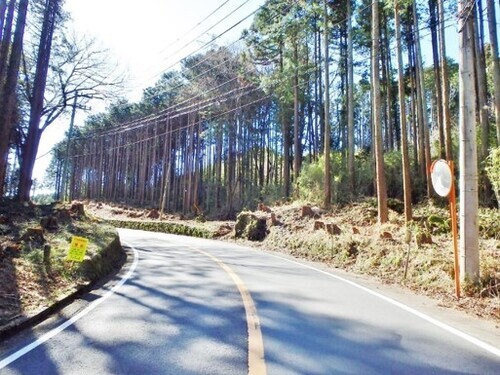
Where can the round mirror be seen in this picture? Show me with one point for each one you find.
(441, 177)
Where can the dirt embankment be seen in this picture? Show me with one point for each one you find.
(34, 243)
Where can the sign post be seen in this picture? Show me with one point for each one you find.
(444, 185)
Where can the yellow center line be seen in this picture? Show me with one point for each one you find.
(256, 361)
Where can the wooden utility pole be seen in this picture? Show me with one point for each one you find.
(469, 235)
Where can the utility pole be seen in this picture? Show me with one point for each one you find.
(469, 200)
(65, 181)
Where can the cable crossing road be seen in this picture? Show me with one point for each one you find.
(192, 306)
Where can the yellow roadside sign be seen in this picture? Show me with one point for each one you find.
(77, 249)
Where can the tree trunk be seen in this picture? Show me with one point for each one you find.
(30, 148)
(445, 84)
(350, 103)
(422, 105)
(297, 137)
(437, 76)
(492, 27)
(480, 69)
(469, 234)
(383, 213)
(326, 150)
(5, 44)
(402, 119)
(8, 92)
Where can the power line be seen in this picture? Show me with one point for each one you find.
(138, 122)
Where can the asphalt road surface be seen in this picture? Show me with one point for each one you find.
(191, 306)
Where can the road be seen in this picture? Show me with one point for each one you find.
(192, 306)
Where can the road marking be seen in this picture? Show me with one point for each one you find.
(481, 344)
(23, 351)
(256, 360)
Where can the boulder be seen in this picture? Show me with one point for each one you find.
(251, 226)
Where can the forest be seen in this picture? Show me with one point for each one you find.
(321, 101)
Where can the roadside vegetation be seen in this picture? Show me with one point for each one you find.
(349, 237)
(35, 240)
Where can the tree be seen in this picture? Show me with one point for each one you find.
(350, 101)
(8, 91)
(326, 151)
(79, 72)
(469, 201)
(383, 213)
(402, 119)
(492, 27)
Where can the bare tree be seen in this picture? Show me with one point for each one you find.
(79, 73)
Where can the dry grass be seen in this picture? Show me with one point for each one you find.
(27, 282)
(427, 268)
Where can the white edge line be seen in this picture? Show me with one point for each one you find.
(444, 326)
(23, 351)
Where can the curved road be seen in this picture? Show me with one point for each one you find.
(191, 306)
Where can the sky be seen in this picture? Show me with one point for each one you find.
(146, 38)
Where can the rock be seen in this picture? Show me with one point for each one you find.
(355, 230)
(386, 236)
(49, 223)
(333, 229)
(250, 226)
(153, 214)
(117, 211)
(319, 225)
(34, 235)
